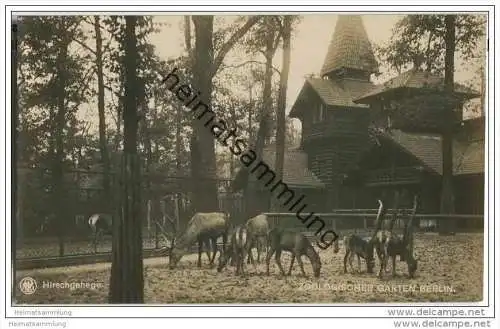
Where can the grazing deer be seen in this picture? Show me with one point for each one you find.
(356, 245)
(390, 245)
(100, 224)
(298, 244)
(257, 228)
(237, 249)
(202, 228)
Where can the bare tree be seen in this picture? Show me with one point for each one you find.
(447, 200)
(270, 43)
(205, 65)
(286, 30)
(103, 144)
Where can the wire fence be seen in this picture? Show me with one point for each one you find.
(38, 212)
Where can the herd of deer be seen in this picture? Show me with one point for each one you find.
(238, 241)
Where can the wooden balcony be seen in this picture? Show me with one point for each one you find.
(393, 176)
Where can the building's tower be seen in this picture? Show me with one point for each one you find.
(334, 129)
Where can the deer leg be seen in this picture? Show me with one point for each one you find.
(237, 261)
(250, 253)
(301, 264)
(345, 260)
(383, 264)
(208, 249)
(269, 255)
(214, 249)
(278, 261)
(394, 266)
(94, 242)
(259, 250)
(351, 257)
(263, 244)
(200, 251)
(242, 260)
(291, 264)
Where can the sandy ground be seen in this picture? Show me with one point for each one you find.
(450, 269)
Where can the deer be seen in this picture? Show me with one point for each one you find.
(238, 246)
(100, 224)
(389, 245)
(298, 244)
(356, 245)
(203, 228)
(257, 228)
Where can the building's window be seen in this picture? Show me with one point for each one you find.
(79, 220)
(319, 113)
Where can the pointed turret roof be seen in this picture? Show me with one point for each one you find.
(349, 47)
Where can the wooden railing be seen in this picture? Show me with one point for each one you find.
(364, 219)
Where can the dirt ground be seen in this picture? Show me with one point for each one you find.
(450, 269)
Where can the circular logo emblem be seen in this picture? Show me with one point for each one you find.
(28, 285)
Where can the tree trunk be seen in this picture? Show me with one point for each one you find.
(447, 200)
(59, 195)
(16, 221)
(252, 188)
(178, 108)
(483, 92)
(127, 280)
(205, 196)
(103, 144)
(281, 112)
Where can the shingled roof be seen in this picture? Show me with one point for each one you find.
(340, 92)
(468, 156)
(349, 47)
(413, 79)
(295, 171)
(332, 92)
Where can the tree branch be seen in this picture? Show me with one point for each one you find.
(277, 41)
(226, 47)
(250, 62)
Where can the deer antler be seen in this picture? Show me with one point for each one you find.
(164, 231)
(395, 211)
(167, 217)
(378, 221)
(408, 233)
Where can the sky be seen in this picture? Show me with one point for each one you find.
(309, 45)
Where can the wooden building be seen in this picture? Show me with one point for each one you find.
(361, 148)
(296, 175)
(356, 147)
(334, 128)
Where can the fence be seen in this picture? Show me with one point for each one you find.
(346, 221)
(38, 213)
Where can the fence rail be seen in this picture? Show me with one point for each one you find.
(35, 250)
(364, 219)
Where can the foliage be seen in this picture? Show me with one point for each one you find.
(418, 41)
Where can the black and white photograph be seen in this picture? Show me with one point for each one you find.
(251, 157)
